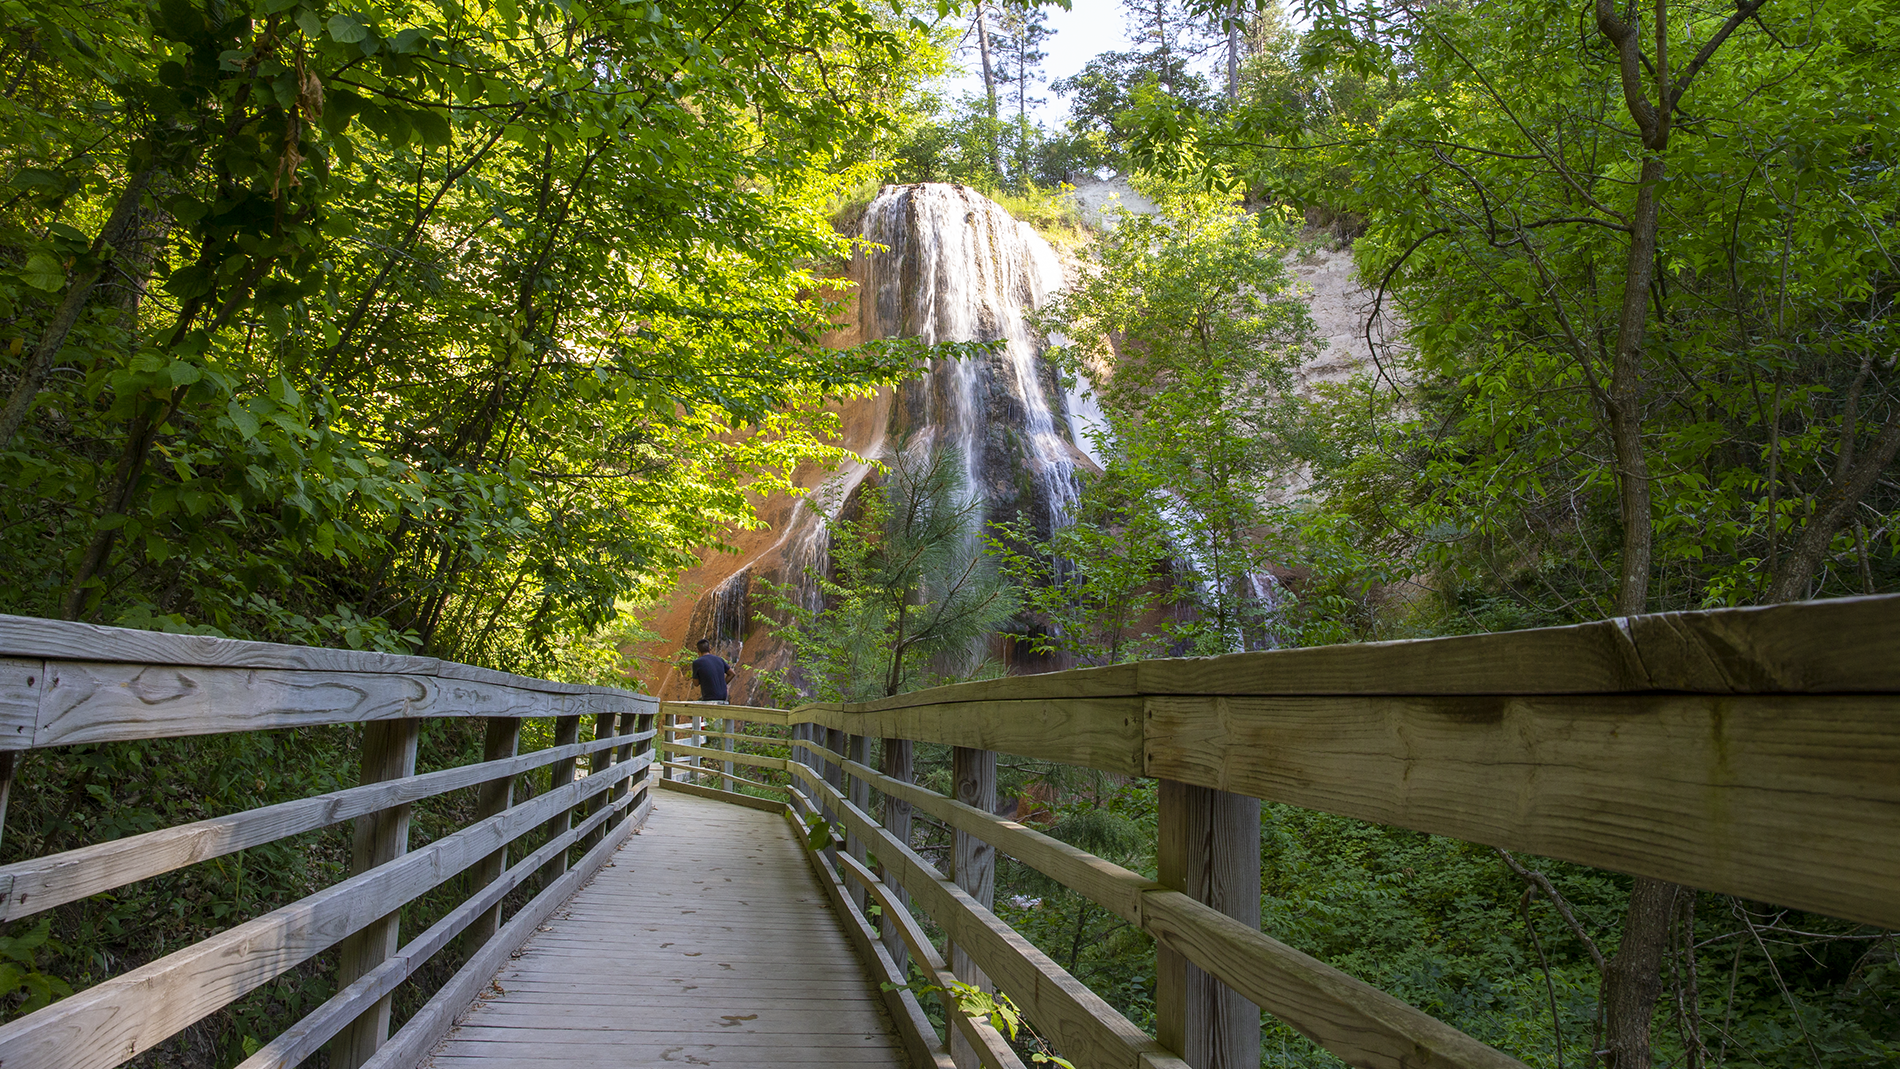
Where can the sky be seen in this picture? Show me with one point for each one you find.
(1088, 29)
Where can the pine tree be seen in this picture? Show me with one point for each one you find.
(909, 594)
(1019, 63)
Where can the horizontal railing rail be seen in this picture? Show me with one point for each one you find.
(1743, 751)
(64, 683)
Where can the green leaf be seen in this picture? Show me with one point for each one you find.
(432, 125)
(243, 420)
(36, 178)
(346, 30)
(43, 272)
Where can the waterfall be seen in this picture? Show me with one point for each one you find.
(939, 263)
(951, 265)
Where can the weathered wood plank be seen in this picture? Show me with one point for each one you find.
(683, 787)
(1102, 882)
(751, 714)
(54, 880)
(913, 1027)
(62, 640)
(1112, 681)
(422, 1031)
(1845, 645)
(1102, 733)
(1207, 846)
(22, 680)
(100, 702)
(706, 751)
(112, 1022)
(1842, 645)
(501, 740)
(1086, 1029)
(896, 764)
(973, 867)
(737, 779)
(662, 948)
(739, 736)
(389, 753)
(1324, 1004)
(599, 762)
(1355, 1021)
(991, 1048)
(71, 641)
(1786, 799)
(567, 730)
(308, 1036)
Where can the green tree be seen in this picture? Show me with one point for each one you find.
(908, 598)
(1099, 587)
(428, 329)
(1644, 274)
(1187, 326)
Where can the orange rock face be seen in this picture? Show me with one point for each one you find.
(950, 266)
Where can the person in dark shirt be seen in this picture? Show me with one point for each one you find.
(712, 672)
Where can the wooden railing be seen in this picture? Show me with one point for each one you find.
(63, 683)
(1748, 751)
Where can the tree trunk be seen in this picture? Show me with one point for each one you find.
(1632, 981)
(1832, 512)
(1233, 52)
(78, 290)
(1626, 397)
(989, 86)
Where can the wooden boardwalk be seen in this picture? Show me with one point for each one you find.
(708, 941)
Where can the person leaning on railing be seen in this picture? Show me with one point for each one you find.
(712, 673)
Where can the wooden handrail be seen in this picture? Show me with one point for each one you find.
(1084, 1027)
(1746, 751)
(44, 882)
(1647, 754)
(1354, 1020)
(308, 1036)
(990, 1045)
(64, 683)
(110, 1022)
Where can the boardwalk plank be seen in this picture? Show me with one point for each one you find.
(706, 942)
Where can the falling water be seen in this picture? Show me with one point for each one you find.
(951, 265)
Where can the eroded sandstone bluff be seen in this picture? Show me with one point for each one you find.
(950, 265)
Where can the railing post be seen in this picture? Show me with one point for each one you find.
(389, 752)
(801, 735)
(567, 732)
(973, 864)
(834, 775)
(669, 732)
(858, 748)
(492, 798)
(643, 722)
(1208, 847)
(597, 762)
(730, 744)
(622, 754)
(896, 759)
